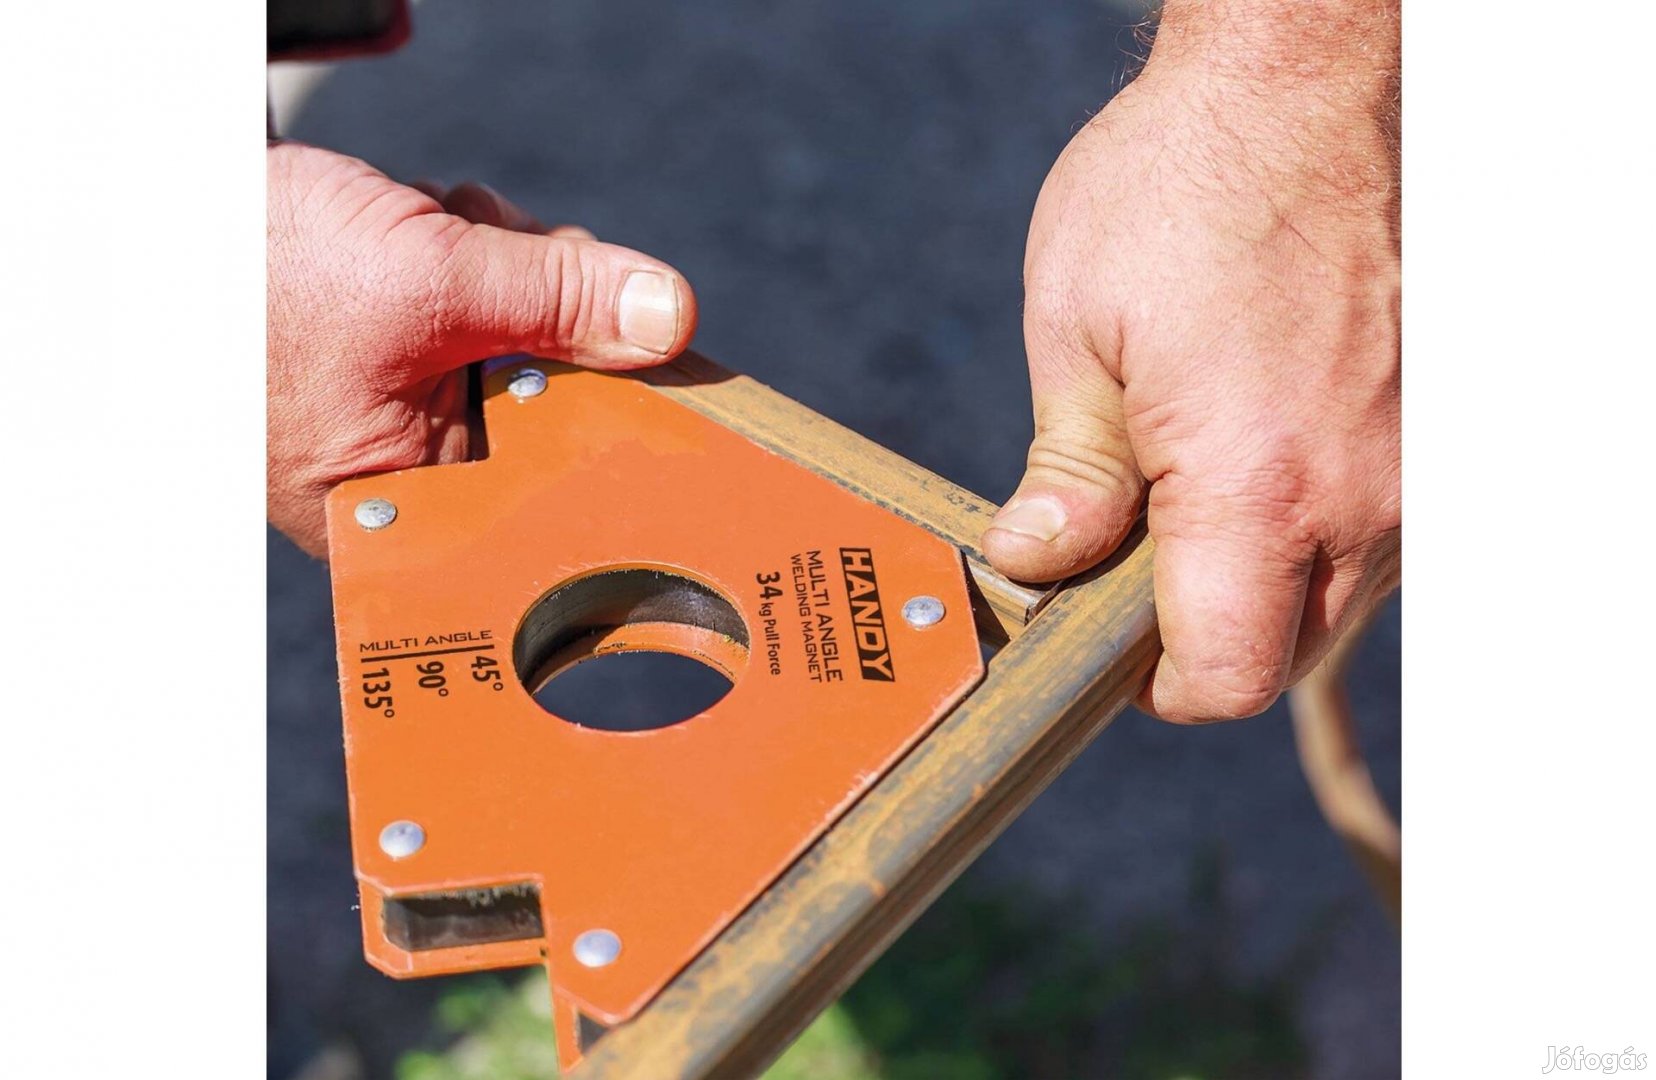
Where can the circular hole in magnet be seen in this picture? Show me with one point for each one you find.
(632, 691)
(634, 649)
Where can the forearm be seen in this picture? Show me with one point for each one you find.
(1307, 90)
(1312, 42)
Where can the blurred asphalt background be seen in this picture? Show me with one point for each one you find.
(847, 187)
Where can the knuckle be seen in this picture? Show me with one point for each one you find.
(439, 284)
(1237, 514)
(1262, 484)
(1088, 455)
(1237, 693)
(572, 294)
(1271, 468)
(401, 302)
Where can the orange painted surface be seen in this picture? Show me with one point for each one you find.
(659, 836)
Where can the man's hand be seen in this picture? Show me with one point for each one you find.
(380, 294)
(1212, 290)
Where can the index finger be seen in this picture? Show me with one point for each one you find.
(1231, 572)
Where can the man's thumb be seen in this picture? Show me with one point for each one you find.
(1081, 488)
(594, 304)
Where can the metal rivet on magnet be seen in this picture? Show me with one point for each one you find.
(527, 383)
(923, 611)
(400, 839)
(373, 514)
(597, 948)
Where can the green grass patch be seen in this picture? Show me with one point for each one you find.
(984, 986)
